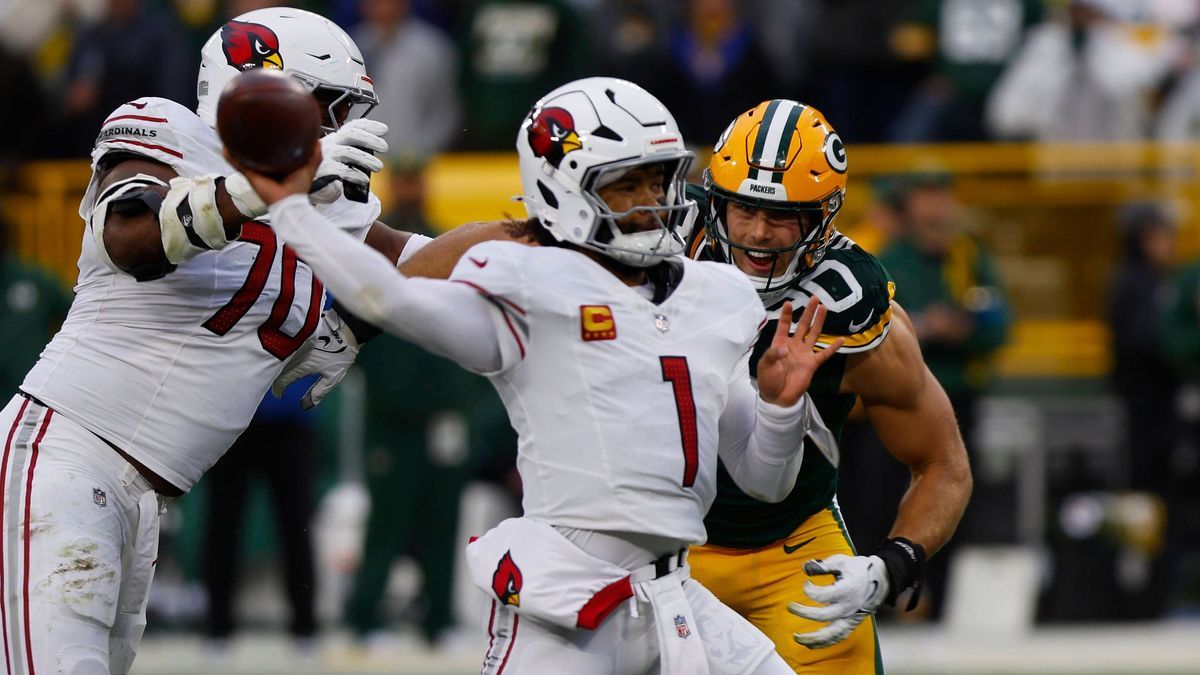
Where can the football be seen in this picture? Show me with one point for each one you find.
(268, 121)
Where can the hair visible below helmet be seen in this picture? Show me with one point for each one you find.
(307, 46)
(779, 155)
(587, 134)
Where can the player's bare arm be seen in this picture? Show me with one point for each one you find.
(913, 418)
(910, 412)
(437, 258)
(387, 241)
(133, 239)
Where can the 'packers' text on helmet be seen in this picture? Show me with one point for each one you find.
(307, 46)
(587, 134)
(779, 155)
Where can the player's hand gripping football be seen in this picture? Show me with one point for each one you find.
(787, 367)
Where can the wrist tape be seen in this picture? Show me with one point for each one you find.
(905, 562)
(190, 221)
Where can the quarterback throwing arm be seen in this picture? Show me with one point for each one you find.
(478, 320)
(582, 340)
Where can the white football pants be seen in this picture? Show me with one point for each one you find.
(625, 644)
(77, 548)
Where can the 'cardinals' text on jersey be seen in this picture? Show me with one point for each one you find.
(172, 370)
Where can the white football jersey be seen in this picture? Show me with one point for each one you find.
(616, 399)
(172, 370)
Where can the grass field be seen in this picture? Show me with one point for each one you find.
(1168, 648)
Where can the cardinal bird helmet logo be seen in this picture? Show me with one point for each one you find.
(552, 135)
(250, 45)
(507, 581)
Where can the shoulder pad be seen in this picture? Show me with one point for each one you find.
(493, 268)
(164, 131)
(729, 291)
(857, 292)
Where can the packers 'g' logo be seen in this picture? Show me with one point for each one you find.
(835, 152)
(596, 323)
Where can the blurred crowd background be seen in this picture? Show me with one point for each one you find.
(1026, 169)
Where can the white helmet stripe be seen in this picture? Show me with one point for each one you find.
(779, 124)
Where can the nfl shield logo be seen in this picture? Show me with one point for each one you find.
(681, 627)
(99, 497)
(662, 323)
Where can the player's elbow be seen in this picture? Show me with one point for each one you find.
(134, 243)
(954, 474)
(960, 475)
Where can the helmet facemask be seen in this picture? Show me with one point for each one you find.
(815, 221)
(340, 104)
(671, 217)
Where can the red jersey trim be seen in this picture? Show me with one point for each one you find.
(151, 146)
(515, 307)
(143, 118)
(501, 303)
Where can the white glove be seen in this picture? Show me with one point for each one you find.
(860, 586)
(330, 352)
(346, 158)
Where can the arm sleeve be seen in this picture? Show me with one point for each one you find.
(762, 445)
(446, 318)
(416, 242)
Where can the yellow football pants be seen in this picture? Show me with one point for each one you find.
(759, 583)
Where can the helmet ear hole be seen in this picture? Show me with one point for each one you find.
(547, 195)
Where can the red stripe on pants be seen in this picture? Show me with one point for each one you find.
(3, 482)
(28, 494)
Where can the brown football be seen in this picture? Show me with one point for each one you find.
(268, 122)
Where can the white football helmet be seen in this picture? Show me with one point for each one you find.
(583, 136)
(307, 46)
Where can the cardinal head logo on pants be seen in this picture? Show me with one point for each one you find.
(506, 581)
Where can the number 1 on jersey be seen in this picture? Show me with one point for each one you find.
(675, 370)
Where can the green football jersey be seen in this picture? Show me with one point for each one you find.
(857, 292)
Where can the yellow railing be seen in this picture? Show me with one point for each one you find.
(1048, 212)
